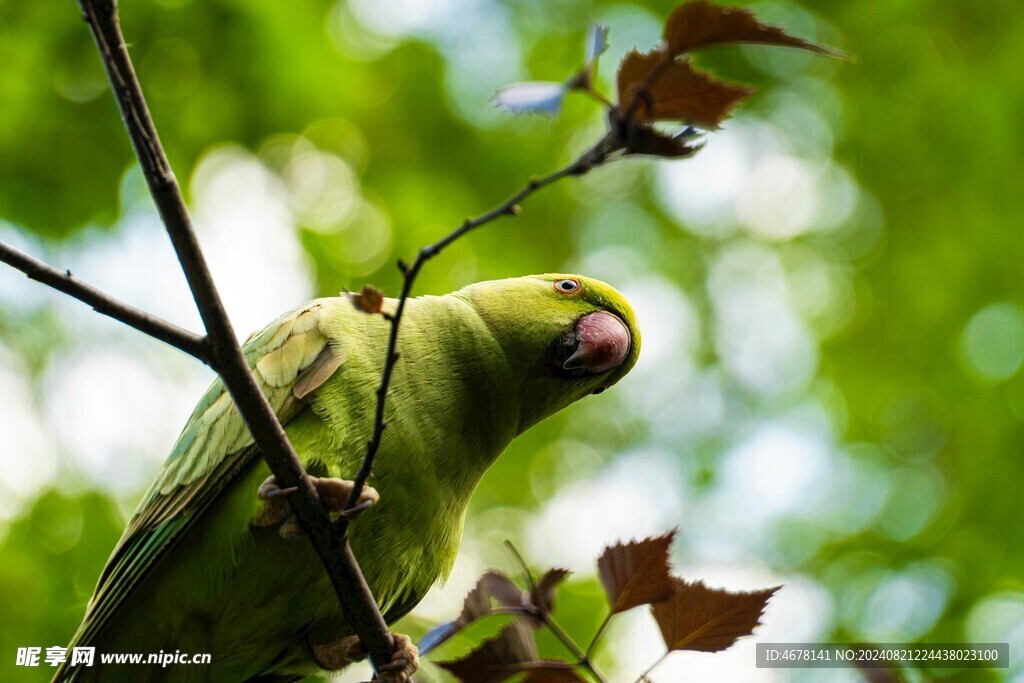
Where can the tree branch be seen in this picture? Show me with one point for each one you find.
(225, 354)
(594, 156)
(180, 338)
(220, 348)
(582, 658)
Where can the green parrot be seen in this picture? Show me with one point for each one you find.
(206, 564)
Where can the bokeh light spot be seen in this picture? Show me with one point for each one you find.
(992, 343)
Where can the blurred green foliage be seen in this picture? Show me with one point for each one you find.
(918, 356)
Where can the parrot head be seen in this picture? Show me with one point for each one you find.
(565, 336)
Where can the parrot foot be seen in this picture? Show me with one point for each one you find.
(404, 662)
(340, 653)
(333, 494)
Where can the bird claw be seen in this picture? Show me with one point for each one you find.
(356, 510)
(340, 653)
(404, 662)
(333, 493)
(269, 489)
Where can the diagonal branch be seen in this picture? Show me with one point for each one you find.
(225, 354)
(169, 333)
(593, 157)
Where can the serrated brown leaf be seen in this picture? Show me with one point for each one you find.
(492, 585)
(646, 140)
(674, 91)
(700, 23)
(636, 573)
(696, 617)
(368, 300)
(552, 675)
(497, 659)
(543, 594)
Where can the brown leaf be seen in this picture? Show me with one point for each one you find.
(636, 573)
(543, 594)
(670, 90)
(511, 651)
(552, 675)
(699, 24)
(646, 140)
(368, 300)
(696, 617)
(492, 585)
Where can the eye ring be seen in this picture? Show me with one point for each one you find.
(567, 286)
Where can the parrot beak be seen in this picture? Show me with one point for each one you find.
(602, 342)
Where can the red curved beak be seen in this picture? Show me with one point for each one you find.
(602, 343)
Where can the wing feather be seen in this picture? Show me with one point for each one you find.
(290, 358)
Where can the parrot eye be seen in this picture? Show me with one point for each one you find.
(567, 286)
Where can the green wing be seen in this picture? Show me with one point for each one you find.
(290, 359)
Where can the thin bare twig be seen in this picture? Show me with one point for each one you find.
(169, 333)
(600, 631)
(652, 667)
(594, 156)
(225, 354)
(582, 658)
(523, 567)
